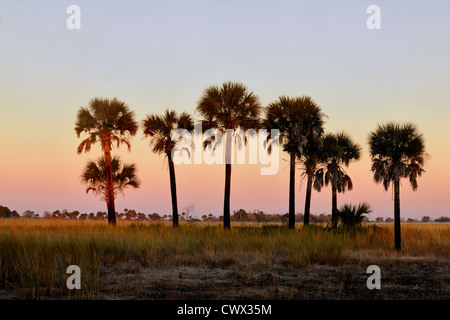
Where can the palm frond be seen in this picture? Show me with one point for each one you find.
(105, 120)
(299, 121)
(350, 215)
(94, 176)
(230, 106)
(167, 131)
(397, 151)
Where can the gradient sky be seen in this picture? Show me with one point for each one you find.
(162, 54)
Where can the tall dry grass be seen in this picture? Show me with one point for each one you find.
(34, 254)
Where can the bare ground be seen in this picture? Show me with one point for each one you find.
(401, 278)
(423, 278)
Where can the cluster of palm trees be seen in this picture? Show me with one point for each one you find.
(397, 150)
(107, 121)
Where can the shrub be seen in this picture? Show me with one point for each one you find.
(350, 215)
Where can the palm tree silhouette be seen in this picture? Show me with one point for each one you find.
(310, 163)
(162, 130)
(338, 151)
(299, 121)
(227, 108)
(95, 177)
(397, 151)
(350, 215)
(107, 121)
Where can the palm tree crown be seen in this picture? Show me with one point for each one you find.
(230, 106)
(161, 128)
(298, 120)
(338, 151)
(397, 151)
(107, 121)
(124, 176)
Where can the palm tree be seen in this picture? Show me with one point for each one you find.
(227, 108)
(350, 215)
(95, 177)
(107, 121)
(310, 161)
(299, 121)
(162, 130)
(397, 151)
(338, 151)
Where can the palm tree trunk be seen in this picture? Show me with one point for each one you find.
(173, 192)
(308, 200)
(226, 204)
(397, 234)
(292, 193)
(110, 186)
(334, 213)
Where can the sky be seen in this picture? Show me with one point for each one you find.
(156, 55)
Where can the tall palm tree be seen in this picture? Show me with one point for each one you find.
(338, 151)
(95, 177)
(162, 131)
(397, 151)
(226, 108)
(299, 121)
(106, 121)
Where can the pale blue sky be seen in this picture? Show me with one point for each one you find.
(160, 54)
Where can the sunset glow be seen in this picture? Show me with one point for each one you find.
(156, 55)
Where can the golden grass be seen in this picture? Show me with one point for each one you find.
(34, 254)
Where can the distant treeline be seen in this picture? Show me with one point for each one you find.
(240, 215)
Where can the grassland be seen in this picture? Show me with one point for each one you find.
(202, 261)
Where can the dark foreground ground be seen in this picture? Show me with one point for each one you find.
(401, 278)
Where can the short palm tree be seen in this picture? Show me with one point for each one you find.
(123, 176)
(338, 151)
(350, 215)
(163, 136)
(229, 107)
(106, 121)
(397, 151)
(299, 121)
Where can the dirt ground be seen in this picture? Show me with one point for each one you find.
(405, 278)
(402, 278)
